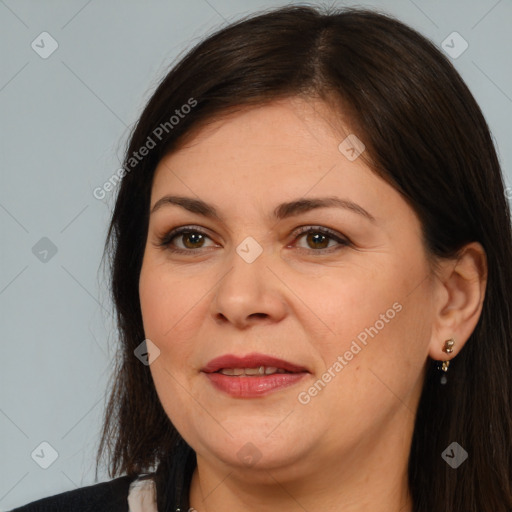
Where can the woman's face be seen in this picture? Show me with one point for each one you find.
(351, 310)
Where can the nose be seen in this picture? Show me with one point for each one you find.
(249, 293)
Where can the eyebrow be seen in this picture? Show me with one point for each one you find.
(282, 211)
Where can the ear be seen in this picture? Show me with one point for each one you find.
(459, 297)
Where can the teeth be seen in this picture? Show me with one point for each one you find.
(261, 370)
(232, 371)
(255, 371)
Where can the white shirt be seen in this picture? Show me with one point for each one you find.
(142, 496)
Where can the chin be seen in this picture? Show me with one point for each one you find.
(253, 449)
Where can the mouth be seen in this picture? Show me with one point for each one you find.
(251, 365)
(253, 375)
(251, 372)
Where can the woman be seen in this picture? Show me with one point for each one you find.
(310, 256)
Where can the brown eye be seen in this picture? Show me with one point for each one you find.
(319, 238)
(190, 240)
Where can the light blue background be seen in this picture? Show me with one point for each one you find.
(64, 121)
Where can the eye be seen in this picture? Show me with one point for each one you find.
(317, 237)
(190, 237)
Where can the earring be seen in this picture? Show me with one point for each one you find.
(448, 349)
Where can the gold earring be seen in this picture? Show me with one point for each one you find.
(447, 348)
(445, 365)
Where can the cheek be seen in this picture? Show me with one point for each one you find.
(357, 305)
(165, 320)
(171, 308)
(382, 331)
(153, 302)
(374, 370)
(164, 301)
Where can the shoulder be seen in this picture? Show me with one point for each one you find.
(109, 496)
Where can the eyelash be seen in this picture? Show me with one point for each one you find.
(165, 241)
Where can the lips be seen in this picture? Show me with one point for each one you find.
(253, 360)
(253, 375)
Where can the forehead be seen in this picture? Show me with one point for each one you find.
(293, 110)
(283, 142)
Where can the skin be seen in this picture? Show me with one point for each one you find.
(347, 448)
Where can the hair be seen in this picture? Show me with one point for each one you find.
(425, 135)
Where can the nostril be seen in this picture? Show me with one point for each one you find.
(259, 315)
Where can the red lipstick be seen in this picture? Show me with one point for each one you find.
(253, 360)
(253, 375)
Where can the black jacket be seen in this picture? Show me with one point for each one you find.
(104, 497)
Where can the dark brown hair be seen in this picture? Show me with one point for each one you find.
(425, 134)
